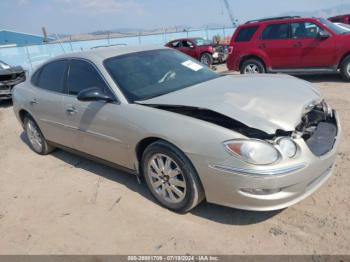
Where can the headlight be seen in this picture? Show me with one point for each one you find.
(253, 151)
(287, 147)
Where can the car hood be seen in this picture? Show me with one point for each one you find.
(265, 102)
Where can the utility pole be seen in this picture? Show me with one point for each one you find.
(232, 18)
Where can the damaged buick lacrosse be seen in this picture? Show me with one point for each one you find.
(256, 142)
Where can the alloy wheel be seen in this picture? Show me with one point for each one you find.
(251, 69)
(34, 136)
(205, 60)
(166, 178)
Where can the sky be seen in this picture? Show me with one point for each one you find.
(82, 16)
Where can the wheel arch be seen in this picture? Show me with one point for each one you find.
(346, 55)
(22, 114)
(247, 57)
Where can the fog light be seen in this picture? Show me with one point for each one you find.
(260, 192)
(287, 146)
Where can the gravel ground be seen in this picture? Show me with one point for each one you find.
(63, 204)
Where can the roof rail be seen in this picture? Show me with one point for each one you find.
(271, 18)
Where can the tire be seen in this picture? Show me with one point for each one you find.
(345, 69)
(165, 183)
(252, 66)
(206, 59)
(37, 141)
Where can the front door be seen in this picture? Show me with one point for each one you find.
(188, 48)
(315, 52)
(96, 126)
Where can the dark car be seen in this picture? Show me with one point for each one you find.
(9, 77)
(197, 48)
(345, 19)
(290, 45)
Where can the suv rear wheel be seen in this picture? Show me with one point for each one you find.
(345, 69)
(252, 66)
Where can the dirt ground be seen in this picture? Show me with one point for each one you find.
(63, 204)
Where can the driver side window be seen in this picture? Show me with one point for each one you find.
(83, 75)
(305, 30)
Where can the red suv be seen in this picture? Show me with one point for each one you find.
(198, 48)
(291, 45)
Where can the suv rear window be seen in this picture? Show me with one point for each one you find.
(276, 32)
(246, 34)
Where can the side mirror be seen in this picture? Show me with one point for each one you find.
(93, 94)
(322, 35)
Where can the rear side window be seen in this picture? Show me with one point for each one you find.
(175, 44)
(246, 34)
(52, 76)
(276, 32)
(83, 75)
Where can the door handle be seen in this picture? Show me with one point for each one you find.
(72, 110)
(262, 46)
(33, 101)
(299, 44)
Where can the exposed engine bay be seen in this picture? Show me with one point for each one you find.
(319, 129)
(318, 126)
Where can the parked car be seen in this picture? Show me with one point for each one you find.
(340, 19)
(189, 132)
(343, 26)
(198, 48)
(290, 45)
(9, 77)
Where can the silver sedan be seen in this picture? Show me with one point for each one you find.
(261, 142)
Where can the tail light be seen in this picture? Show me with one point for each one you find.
(230, 50)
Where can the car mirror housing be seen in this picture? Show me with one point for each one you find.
(323, 35)
(94, 94)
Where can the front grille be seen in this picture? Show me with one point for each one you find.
(323, 139)
(2, 87)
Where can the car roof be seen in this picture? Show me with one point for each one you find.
(102, 53)
(182, 39)
(274, 20)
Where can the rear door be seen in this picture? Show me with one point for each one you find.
(314, 52)
(47, 102)
(276, 43)
(96, 127)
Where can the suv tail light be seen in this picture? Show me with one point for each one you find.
(230, 50)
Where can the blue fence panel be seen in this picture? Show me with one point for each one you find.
(29, 57)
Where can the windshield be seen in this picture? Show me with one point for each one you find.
(202, 41)
(336, 29)
(148, 74)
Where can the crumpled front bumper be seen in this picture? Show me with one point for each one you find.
(267, 188)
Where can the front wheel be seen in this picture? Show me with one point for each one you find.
(171, 178)
(206, 59)
(252, 66)
(345, 69)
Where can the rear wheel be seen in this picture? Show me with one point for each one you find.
(345, 69)
(252, 66)
(171, 178)
(36, 139)
(206, 59)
